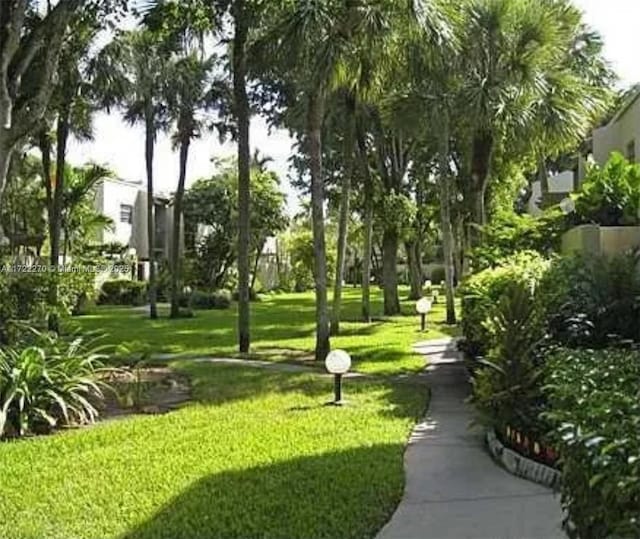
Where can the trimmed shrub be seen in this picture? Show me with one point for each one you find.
(123, 292)
(594, 399)
(220, 299)
(484, 289)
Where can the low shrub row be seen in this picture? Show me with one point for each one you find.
(203, 300)
(123, 292)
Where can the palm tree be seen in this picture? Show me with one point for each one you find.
(133, 69)
(79, 216)
(188, 95)
(240, 13)
(310, 38)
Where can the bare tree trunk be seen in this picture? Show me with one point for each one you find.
(368, 228)
(415, 269)
(254, 275)
(5, 158)
(343, 223)
(177, 218)
(314, 127)
(445, 217)
(390, 272)
(151, 218)
(241, 105)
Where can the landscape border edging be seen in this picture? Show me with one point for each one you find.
(521, 466)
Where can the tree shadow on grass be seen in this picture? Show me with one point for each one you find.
(344, 494)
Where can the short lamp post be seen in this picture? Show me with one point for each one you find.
(338, 363)
(423, 306)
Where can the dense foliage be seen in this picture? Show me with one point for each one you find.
(610, 194)
(123, 292)
(482, 291)
(594, 401)
(48, 383)
(509, 232)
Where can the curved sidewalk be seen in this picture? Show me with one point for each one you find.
(453, 488)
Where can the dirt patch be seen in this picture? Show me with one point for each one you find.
(144, 390)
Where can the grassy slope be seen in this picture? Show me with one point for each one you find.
(257, 456)
(282, 328)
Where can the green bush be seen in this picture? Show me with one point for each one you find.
(592, 301)
(437, 275)
(27, 297)
(220, 299)
(48, 384)
(510, 233)
(483, 290)
(123, 292)
(610, 195)
(594, 397)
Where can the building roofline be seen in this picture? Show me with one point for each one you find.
(633, 97)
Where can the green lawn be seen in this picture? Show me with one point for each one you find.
(258, 455)
(282, 329)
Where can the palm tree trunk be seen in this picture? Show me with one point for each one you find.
(149, 144)
(368, 228)
(543, 177)
(55, 220)
(62, 136)
(343, 222)
(390, 272)
(415, 269)
(241, 104)
(445, 217)
(177, 219)
(482, 149)
(314, 127)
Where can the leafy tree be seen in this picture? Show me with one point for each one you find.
(210, 219)
(29, 52)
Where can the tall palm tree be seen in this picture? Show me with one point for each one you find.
(241, 13)
(188, 95)
(133, 69)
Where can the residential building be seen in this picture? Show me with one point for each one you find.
(125, 203)
(621, 134)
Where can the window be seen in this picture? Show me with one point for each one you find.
(631, 151)
(126, 213)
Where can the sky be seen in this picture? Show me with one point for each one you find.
(121, 147)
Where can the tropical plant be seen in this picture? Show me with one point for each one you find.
(132, 70)
(594, 409)
(507, 387)
(49, 384)
(482, 291)
(188, 96)
(610, 195)
(592, 301)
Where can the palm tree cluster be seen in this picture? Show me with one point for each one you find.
(409, 114)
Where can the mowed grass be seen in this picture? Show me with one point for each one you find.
(257, 455)
(283, 329)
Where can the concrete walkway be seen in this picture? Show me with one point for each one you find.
(453, 488)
